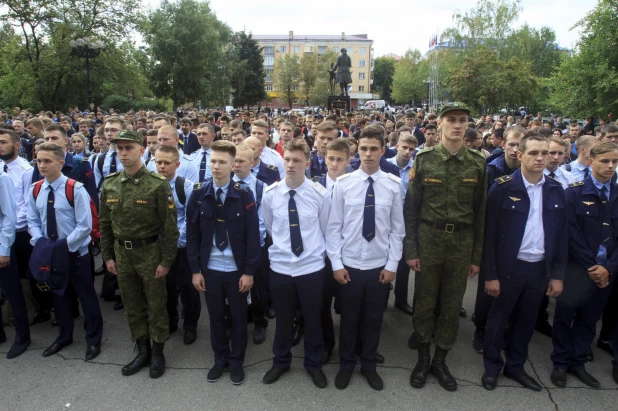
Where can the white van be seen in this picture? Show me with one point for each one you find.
(373, 105)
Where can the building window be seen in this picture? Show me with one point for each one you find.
(361, 89)
(336, 49)
(371, 76)
(361, 76)
(294, 88)
(308, 49)
(372, 62)
(282, 49)
(269, 72)
(269, 87)
(361, 63)
(269, 61)
(363, 50)
(268, 49)
(322, 49)
(296, 49)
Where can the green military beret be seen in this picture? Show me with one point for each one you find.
(128, 135)
(447, 108)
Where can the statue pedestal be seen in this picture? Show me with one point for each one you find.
(341, 104)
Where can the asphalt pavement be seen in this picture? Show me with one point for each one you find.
(67, 382)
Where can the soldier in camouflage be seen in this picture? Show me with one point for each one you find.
(444, 214)
(138, 242)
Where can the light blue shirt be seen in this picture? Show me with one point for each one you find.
(404, 174)
(196, 159)
(255, 170)
(106, 164)
(221, 260)
(251, 181)
(578, 170)
(8, 214)
(74, 224)
(187, 169)
(602, 252)
(181, 211)
(20, 172)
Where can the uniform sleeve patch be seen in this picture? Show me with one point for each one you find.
(503, 179)
(270, 167)
(470, 180)
(112, 201)
(248, 206)
(140, 202)
(412, 174)
(433, 180)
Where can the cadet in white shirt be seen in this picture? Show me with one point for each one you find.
(168, 136)
(259, 130)
(201, 158)
(557, 149)
(580, 168)
(296, 214)
(365, 243)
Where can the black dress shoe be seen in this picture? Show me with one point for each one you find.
(173, 328)
(605, 346)
(54, 323)
(2, 336)
(118, 306)
(189, 338)
(55, 348)
(237, 375)
(544, 327)
(259, 334)
(615, 375)
(274, 374)
(463, 312)
(478, 343)
(589, 355)
(405, 308)
(17, 349)
(318, 378)
(558, 377)
(326, 356)
(379, 358)
(413, 342)
(373, 379)
(585, 378)
(41, 317)
(271, 314)
(215, 373)
(343, 378)
(93, 352)
(525, 380)
(298, 334)
(489, 381)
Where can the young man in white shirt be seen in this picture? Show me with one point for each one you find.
(365, 243)
(558, 148)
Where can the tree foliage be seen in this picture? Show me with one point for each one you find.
(383, 73)
(319, 92)
(246, 64)
(411, 73)
(287, 77)
(308, 74)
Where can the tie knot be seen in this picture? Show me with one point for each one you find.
(52, 188)
(219, 191)
(292, 193)
(114, 154)
(604, 189)
(370, 180)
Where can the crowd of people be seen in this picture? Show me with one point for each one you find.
(288, 216)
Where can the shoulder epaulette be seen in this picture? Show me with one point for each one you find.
(187, 156)
(26, 165)
(197, 186)
(157, 176)
(343, 176)
(270, 187)
(503, 179)
(478, 153)
(271, 167)
(320, 189)
(78, 184)
(316, 179)
(577, 184)
(86, 159)
(425, 150)
(243, 187)
(394, 178)
(552, 178)
(116, 174)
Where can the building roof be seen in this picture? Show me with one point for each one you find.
(300, 37)
(393, 56)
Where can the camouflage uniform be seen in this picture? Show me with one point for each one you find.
(132, 209)
(444, 213)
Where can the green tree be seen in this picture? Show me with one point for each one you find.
(383, 73)
(411, 73)
(318, 94)
(287, 77)
(247, 67)
(308, 74)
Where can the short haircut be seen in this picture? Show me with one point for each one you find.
(117, 120)
(432, 116)
(57, 127)
(152, 133)
(168, 129)
(409, 139)
(237, 132)
(185, 120)
(236, 124)
(170, 150)
(574, 124)
(431, 127)
(67, 119)
(55, 149)
(470, 134)
(562, 142)
(325, 127)
(208, 126)
(35, 122)
(260, 123)
(362, 121)
(224, 146)
(80, 136)
(376, 132)
(404, 128)
(513, 131)
(298, 145)
(585, 141)
(339, 144)
(609, 128)
(393, 137)
(498, 132)
(161, 117)
(531, 137)
(545, 132)
(11, 133)
(244, 147)
(602, 148)
(411, 114)
(224, 118)
(85, 122)
(285, 123)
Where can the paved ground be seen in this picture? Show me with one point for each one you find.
(67, 382)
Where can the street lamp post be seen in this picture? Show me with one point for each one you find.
(88, 49)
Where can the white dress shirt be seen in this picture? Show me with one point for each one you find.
(330, 183)
(106, 164)
(20, 172)
(313, 205)
(196, 158)
(577, 170)
(404, 174)
(562, 176)
(187, 169)
(344, 239)
(532, 247)
(251, 181)
(8, 215)
(270, 156)
(181, 210)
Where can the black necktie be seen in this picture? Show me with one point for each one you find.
(369, 215)
(52, 229)
(203, 167)
(552, 174)
(6, 168)
(112, 165)
(323, 169)
(295, 237)
(606, 229)
(586, 172)
(220, 234)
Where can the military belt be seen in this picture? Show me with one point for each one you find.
(139, 243)
(446, 227)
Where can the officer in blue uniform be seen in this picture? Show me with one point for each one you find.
(178, 280)
(593, 263)
(266, 173)
(324, 133)
(9, 277)
(223, 244)
(52, 217)
(531, 208)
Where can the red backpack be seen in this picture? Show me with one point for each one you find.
(95, 235)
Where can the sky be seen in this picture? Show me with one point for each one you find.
(394, 26)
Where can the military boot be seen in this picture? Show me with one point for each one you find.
(157, 364)
(142, 346)
(440, 370)
(419, 374)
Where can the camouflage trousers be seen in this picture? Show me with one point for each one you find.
(445, 261)
(144, 296)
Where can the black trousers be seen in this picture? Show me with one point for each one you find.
(23, 251)
(288, 292)
(362, 309)
(331, 291)
(610, 315)
(10, 285)
(81, 281)
(401, 282)
(179, 282)
(219, 287)
(259, 291)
